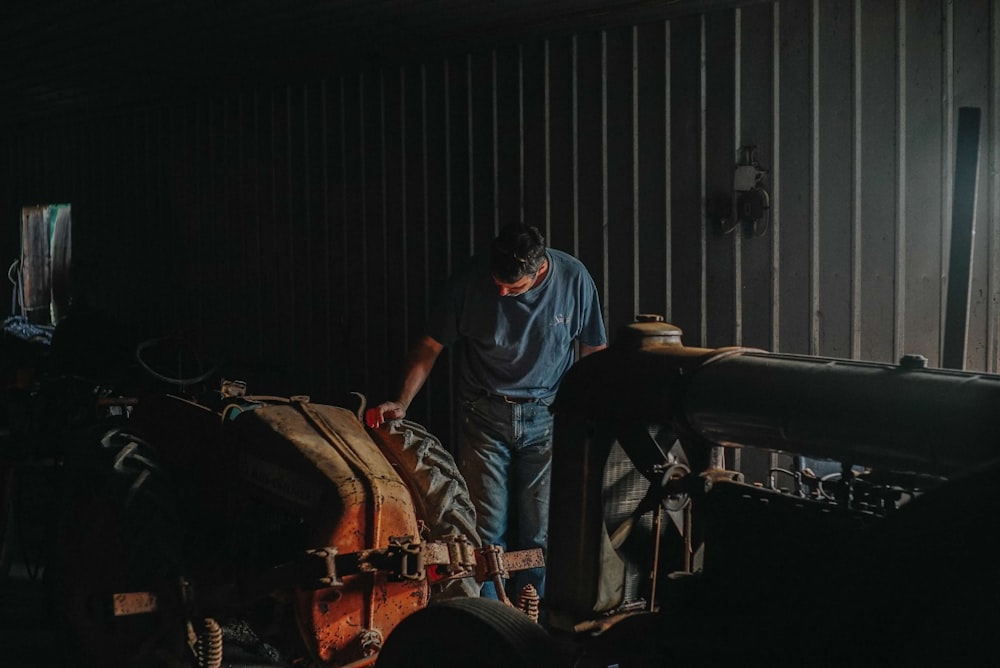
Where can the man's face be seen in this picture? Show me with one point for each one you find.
(518, 287)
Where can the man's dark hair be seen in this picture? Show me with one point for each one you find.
(518, 251)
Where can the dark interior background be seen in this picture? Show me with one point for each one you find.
(286, 183)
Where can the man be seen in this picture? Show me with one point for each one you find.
(516, 317)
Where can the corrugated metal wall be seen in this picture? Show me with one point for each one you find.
(304, 229)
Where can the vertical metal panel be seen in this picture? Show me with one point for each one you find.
(901, 120)
(437, 225)
(157, 261)
(313, 315)
(372, 220)
(229, 239)
(415, 212)
(534, 167)
(668, 176)
(9, 185)
(591, 198)
(834, 224)
(407, 297)
(560, 131)
(547, 101)
(483, 215)
(755, 126)
(338, 273)
(972, 78)
(285, 326)
(575, 73)
(508, 140)
(794, 124)
(326, 265)
(605, 279)
(856, 183)
(992, 191)
(396, 224)
(107, 299)
(878, 176)
(355, 305)
(450, 101)
(213, 307)
(520, 132)
(948, 112)
(814, 191)
(651, 189)
(380, 281)
(776, 180)
(619, 252)
(256, 265)
(922, 316)
(189, 182)
(457, 109)
(685, 180)
(118, 139)
(719, 156)
(737, 115)
(298, 235)
(702, 228)
(636, 269)
(464, 163)
(276, 255)
(494, 148)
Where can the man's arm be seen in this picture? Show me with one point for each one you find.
(588, 350)
(419, 363)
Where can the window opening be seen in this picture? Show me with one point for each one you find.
(41, 276)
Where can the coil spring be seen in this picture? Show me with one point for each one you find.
(371, 641)
(527, 602)
(206, 642)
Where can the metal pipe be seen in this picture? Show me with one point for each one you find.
(902, 417)
(868, 414)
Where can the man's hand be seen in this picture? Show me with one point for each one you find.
(390, 410)
(418, 367)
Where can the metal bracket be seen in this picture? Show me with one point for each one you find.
(327, 559)
(403, 559)
(454, 556)
(491, 565)
(493, 561)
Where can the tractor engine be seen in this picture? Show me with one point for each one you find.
(866, 532)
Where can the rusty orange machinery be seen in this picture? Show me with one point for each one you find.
(293, 519)
(317, 463)
(313, 530)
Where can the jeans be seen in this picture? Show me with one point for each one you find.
(505, 456)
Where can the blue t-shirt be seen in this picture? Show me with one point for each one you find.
(519, 345)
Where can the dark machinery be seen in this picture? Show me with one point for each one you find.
(661, 555)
